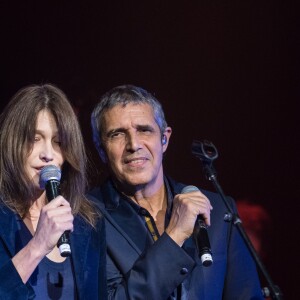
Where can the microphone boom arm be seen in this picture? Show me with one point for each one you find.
(207, 153)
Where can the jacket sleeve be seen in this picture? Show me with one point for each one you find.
(155, 274)
(11, 284)
(102, 263)
(241, 280)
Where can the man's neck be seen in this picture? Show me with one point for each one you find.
(153, 202)
(152, 197)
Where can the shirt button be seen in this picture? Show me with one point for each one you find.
(143, 212)
(184, 271)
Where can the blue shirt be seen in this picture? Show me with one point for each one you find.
(53, 280)
(50, 280)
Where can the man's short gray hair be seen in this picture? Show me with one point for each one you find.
(122, 95)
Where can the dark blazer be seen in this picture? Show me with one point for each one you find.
(137, 268)
(88, 259)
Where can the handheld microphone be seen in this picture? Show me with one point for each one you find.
(50, 180)
(200, 234)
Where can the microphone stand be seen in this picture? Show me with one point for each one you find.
(207, 153)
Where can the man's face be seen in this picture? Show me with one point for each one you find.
(132, 144)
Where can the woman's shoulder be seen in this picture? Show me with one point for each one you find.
(4, 209)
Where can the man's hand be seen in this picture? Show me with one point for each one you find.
(186, 208)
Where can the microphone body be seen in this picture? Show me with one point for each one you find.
(200, 234)
(50, 181)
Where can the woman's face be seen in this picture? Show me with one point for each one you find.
(46, 147)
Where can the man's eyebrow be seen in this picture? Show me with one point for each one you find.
(122, 129)
(145, 127)
(114, 130)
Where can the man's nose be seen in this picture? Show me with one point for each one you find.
(133, 142)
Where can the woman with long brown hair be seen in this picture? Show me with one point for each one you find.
(39, 128)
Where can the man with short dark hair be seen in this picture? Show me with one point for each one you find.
(149, 220)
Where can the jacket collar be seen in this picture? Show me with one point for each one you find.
(8, 228)
(126, 216)
(79, 240)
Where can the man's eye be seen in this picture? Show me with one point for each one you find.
(146, 130)
(115, 135)
(36, 139)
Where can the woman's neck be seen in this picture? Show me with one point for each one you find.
(32, 216)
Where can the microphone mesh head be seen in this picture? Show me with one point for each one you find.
(189, 188)
(47, 173)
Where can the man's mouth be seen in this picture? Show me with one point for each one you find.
(136, 161)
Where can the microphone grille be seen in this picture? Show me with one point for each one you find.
(47, 173)
(189, 188)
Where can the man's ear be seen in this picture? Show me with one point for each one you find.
(166, 138)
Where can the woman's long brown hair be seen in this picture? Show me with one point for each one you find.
(17, 125)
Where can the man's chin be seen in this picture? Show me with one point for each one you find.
(137, 180)
(132, 181)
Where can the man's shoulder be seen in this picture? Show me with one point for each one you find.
(95, 192)
(97, 197)
(214, 197)
(104, 196)
(99, 191)
(177, 187)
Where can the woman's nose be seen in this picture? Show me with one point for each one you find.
(47, 152)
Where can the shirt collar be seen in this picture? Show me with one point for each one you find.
(143, 212)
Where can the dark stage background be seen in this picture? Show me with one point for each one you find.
(226, 71)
